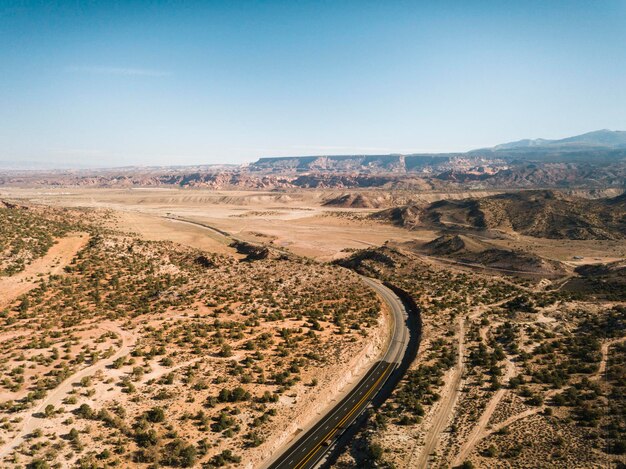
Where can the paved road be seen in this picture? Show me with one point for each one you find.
(309, 449)
(226, 235)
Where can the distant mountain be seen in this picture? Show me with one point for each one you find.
(599, 147)
(609, 139)
(525, 143)
(392, 163)
(595, 160)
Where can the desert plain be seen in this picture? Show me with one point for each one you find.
(182, 327)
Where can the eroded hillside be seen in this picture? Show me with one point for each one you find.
(542, 214)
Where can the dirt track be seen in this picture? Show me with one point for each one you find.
(446, 405)
(480, 429)
(444, 411)
(605, 355)
(32, 421)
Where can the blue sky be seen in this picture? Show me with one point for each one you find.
(108, 84)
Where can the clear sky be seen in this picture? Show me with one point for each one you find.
(156, 82)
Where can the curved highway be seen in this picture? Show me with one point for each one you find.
(311, 448)
(315, 444)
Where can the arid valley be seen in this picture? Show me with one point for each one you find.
(312, 234)
(177, 327)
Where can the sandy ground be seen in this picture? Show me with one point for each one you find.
(442, 413)
(152, 224)
(156, 228)
(479, 431)
(296, 221)
(484, 427)
(564, 250)
(605, 355)
(31, 418)
(299, 223)
(52, 263)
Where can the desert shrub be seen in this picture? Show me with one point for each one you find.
(155, 415)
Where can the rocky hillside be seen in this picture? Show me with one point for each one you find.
(458, 251)
(223, 180)
(467, 250)
(445, 245)
(360, 200)
(602, 280)
(543, 214)
(348, 163)
(407, 216)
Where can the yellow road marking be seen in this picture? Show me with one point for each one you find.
(336, 427)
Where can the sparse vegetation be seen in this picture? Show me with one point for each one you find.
(167, 345)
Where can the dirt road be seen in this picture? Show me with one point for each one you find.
(451, 391)
(605, 355)
(480, 429)
(31, 419)
(446, 405)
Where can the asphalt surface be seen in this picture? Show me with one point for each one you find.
(310, 448)
(313, 446)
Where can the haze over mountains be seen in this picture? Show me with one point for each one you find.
(604, 145)
(595, 160)
(600, 138)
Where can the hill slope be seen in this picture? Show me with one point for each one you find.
(542, 214)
